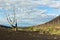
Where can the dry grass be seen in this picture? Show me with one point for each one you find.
(7, 34)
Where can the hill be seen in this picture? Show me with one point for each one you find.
(52, 27)
(5, 26)
(54, 22)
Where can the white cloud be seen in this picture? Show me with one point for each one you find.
(33, 3)
(26, 11)
(30, 14)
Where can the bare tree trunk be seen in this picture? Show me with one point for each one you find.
(12, 21)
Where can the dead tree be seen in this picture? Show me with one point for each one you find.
(12, 20)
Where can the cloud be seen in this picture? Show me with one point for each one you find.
(29, 17)
(55, 4)
(33, 3)
(29, 4)
(26, 10)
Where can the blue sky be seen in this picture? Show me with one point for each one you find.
(29, 12)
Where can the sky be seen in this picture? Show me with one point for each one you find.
(29, 12)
